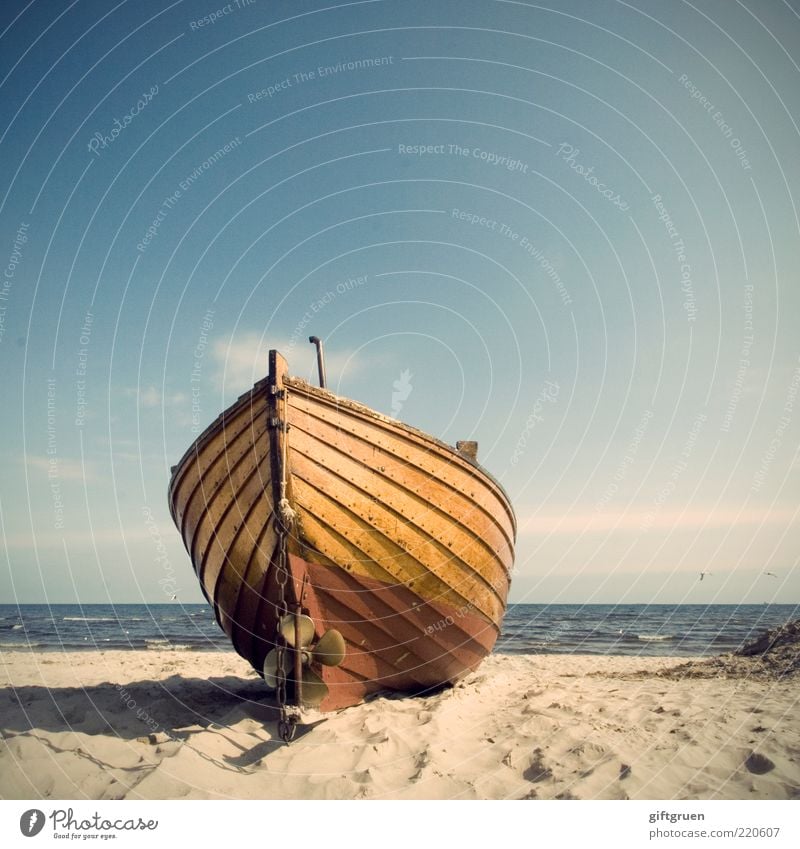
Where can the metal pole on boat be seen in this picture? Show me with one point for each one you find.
(298, 658)
(315, 340)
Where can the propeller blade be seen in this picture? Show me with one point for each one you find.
(271, 670)
(314, 688)
(306, 629)
(330, 649)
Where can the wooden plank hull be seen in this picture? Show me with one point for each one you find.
(397, 541)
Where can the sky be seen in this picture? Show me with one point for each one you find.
(570, 230)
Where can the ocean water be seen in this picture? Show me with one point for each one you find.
(72, 627)
(666, 630)
(634, 629)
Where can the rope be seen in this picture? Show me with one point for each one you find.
(286, 516)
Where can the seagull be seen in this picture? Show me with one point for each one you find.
(771, 573)
(174, 597)
(703, 574)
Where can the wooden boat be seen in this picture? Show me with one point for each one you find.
(298, 505)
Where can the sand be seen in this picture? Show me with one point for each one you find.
(180, 724)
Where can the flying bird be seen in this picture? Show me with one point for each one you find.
(703, 574)
(771, 573)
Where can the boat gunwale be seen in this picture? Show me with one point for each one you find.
(507, 533)
(367, 412)
(179, 469)
(353, 407)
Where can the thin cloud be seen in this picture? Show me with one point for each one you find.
(101, 537)
(150, 397)
(243, 360)
(61, 467)
(642, 520)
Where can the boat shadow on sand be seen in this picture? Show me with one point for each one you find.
(164, 712)
(229, 720)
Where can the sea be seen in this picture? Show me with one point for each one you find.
(648, 630)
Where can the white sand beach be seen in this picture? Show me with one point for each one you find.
(172, 724)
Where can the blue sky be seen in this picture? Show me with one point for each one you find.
(572, 226)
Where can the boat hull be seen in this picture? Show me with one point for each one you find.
(395, 540)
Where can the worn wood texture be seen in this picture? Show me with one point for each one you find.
(399, 542)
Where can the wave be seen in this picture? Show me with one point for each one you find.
(165, 645)
(90, 619)
(655, 638)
